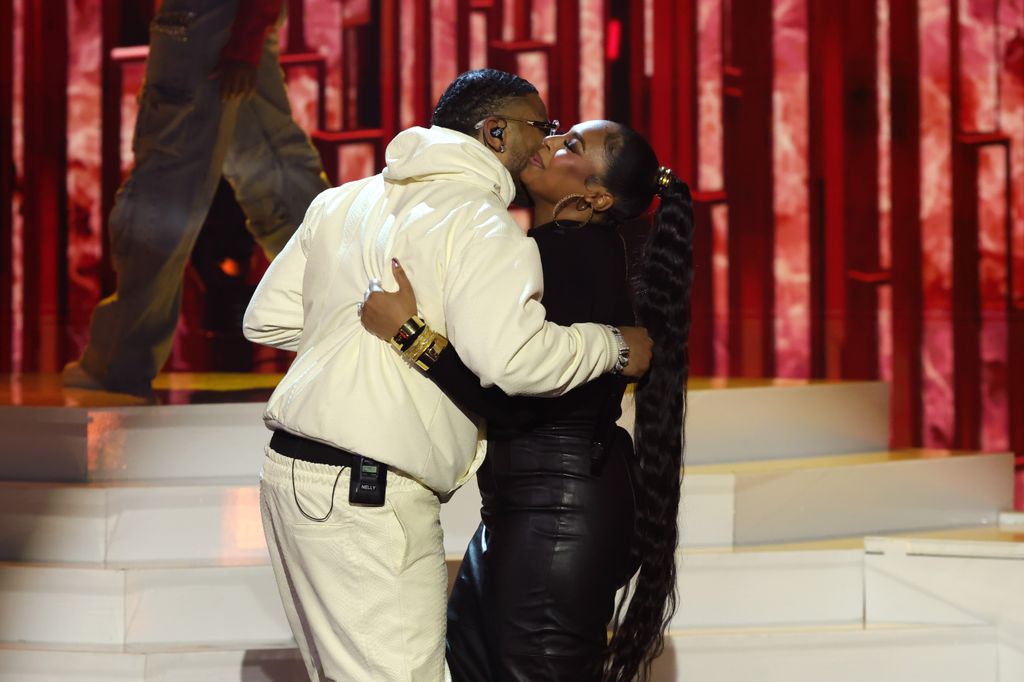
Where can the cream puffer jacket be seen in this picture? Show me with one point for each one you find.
(440, 207)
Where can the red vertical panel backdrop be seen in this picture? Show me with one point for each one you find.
(857, 167)
(844, 178)
(6, 180)
(790, 140)
(44, 64)
(905, 88)
(749, 177)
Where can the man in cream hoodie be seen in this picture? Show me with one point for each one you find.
(364, 586)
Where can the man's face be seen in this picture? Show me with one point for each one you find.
(522, 140)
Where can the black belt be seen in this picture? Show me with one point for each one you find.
(306, 450)
(369, 477)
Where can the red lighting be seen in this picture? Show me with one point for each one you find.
(614, 45)
(230, 267)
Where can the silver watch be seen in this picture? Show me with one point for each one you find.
(623, 359)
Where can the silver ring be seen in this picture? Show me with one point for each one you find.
(359, 309)
(373, 288)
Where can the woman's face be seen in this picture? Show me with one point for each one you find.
(565, 163)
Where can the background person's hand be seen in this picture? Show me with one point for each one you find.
(384, 313)
(640, 346)
(237, 78)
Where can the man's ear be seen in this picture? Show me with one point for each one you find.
(493, 134)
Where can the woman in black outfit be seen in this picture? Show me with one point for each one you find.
(570, 512)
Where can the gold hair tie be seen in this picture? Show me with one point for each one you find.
(664, 178)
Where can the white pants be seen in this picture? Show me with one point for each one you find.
(365, 590)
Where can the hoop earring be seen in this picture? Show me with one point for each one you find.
(561, 205)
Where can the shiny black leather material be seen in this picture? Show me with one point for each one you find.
(536, 589)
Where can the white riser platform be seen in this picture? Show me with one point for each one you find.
(204, 524)
(141, 610)
(146, 610)
(770, 422)
(749, 504)
(790, 501)
(770, 589)
(163, 442)
(170, 610)
(935, 655)
(949, 582)
(268, 665)
(858, 499)
(925, 581)
(913, 655)
(19, 665)
(173, 582)
(175, 442)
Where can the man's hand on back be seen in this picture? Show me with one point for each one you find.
(640, 346)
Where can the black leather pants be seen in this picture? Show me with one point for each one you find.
(536, 589)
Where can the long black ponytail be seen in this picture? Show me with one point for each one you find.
(665, 279)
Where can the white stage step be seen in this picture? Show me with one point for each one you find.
(147, 442)
(152, 609)
(141, 610)
(147, 609)
(207, 523)
(794, 500)
(961, 654)
(832, 582)
(181, 442)
(741, 420)
(767, 502)
(213, 523)
(959, 578)
(809, 584)
(31, 665)
(158, 570)
(770, 588)
(257, 665)
(815, 587)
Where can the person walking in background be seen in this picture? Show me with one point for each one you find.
(213, 104)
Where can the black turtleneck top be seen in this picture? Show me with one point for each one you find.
(585, 280)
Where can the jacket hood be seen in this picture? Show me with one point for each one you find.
(436, 153)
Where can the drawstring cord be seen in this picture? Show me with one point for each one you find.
(295, 494)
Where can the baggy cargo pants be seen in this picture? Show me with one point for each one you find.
(185, 139)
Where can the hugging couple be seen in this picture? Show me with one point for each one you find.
(496, 354)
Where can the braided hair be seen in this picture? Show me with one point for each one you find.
(663, 306)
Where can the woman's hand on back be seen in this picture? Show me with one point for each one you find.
(640, 348)
(384, 313)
